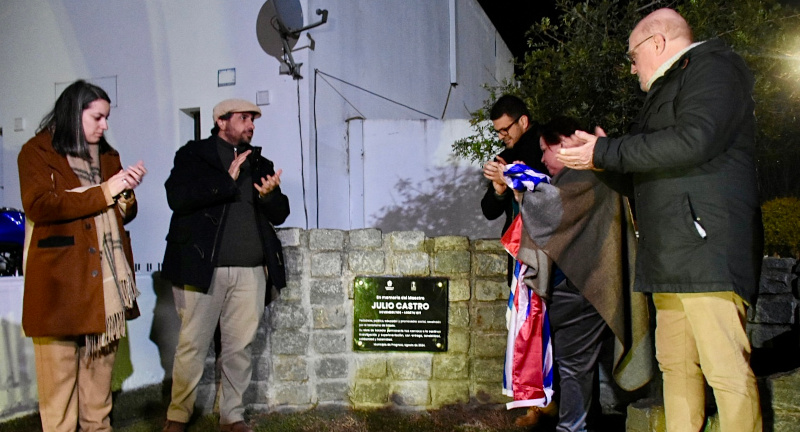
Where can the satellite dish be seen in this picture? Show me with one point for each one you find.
(278, 28)
(267, 29)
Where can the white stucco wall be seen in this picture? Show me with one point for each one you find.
(401, 51)
(413, 183)
(164, 57)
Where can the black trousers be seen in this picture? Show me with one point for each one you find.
(578, 334)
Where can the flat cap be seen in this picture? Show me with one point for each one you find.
(236, 106)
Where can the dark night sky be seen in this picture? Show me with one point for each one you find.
(513, 18)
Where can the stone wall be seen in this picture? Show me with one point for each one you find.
(304, 355)
(775, 314)
(774, 331)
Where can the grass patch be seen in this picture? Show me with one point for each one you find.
(455, 419)
(144, 410)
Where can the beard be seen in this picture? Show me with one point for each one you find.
(245, 138)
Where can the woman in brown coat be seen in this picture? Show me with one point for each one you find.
(79, 284)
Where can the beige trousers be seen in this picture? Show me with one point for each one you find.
(702, 336)
(235, 300)
(74, 390)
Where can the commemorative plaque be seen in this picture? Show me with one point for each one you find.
(400, 313)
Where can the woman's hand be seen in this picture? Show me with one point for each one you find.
(127, 179)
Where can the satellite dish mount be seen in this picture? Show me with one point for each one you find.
(289, 66)
(278, 27)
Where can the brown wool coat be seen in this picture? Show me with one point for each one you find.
(585, 228)
(63, 278)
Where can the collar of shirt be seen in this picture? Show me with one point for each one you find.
(668, 64)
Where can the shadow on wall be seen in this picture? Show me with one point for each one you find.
(166, 326)
(448, 202)
(17, 371)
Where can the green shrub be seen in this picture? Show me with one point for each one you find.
(781, 218)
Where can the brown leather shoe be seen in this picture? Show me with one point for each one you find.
(535, 414)
(239, 426)
(174, 426)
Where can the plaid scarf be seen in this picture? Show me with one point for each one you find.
(119, 288)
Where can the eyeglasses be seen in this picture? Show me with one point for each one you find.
(631, 54)
(504, 131)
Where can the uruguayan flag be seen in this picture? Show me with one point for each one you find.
(528, 368)
(521, 177)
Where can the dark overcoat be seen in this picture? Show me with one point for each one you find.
(199, 190)
(689, 164)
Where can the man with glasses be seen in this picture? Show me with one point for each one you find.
(514, 127)
(688, 162)
(222, 257)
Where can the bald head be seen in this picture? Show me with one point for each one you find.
(655, 40)
(669, 24)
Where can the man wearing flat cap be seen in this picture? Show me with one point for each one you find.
(222, 257)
